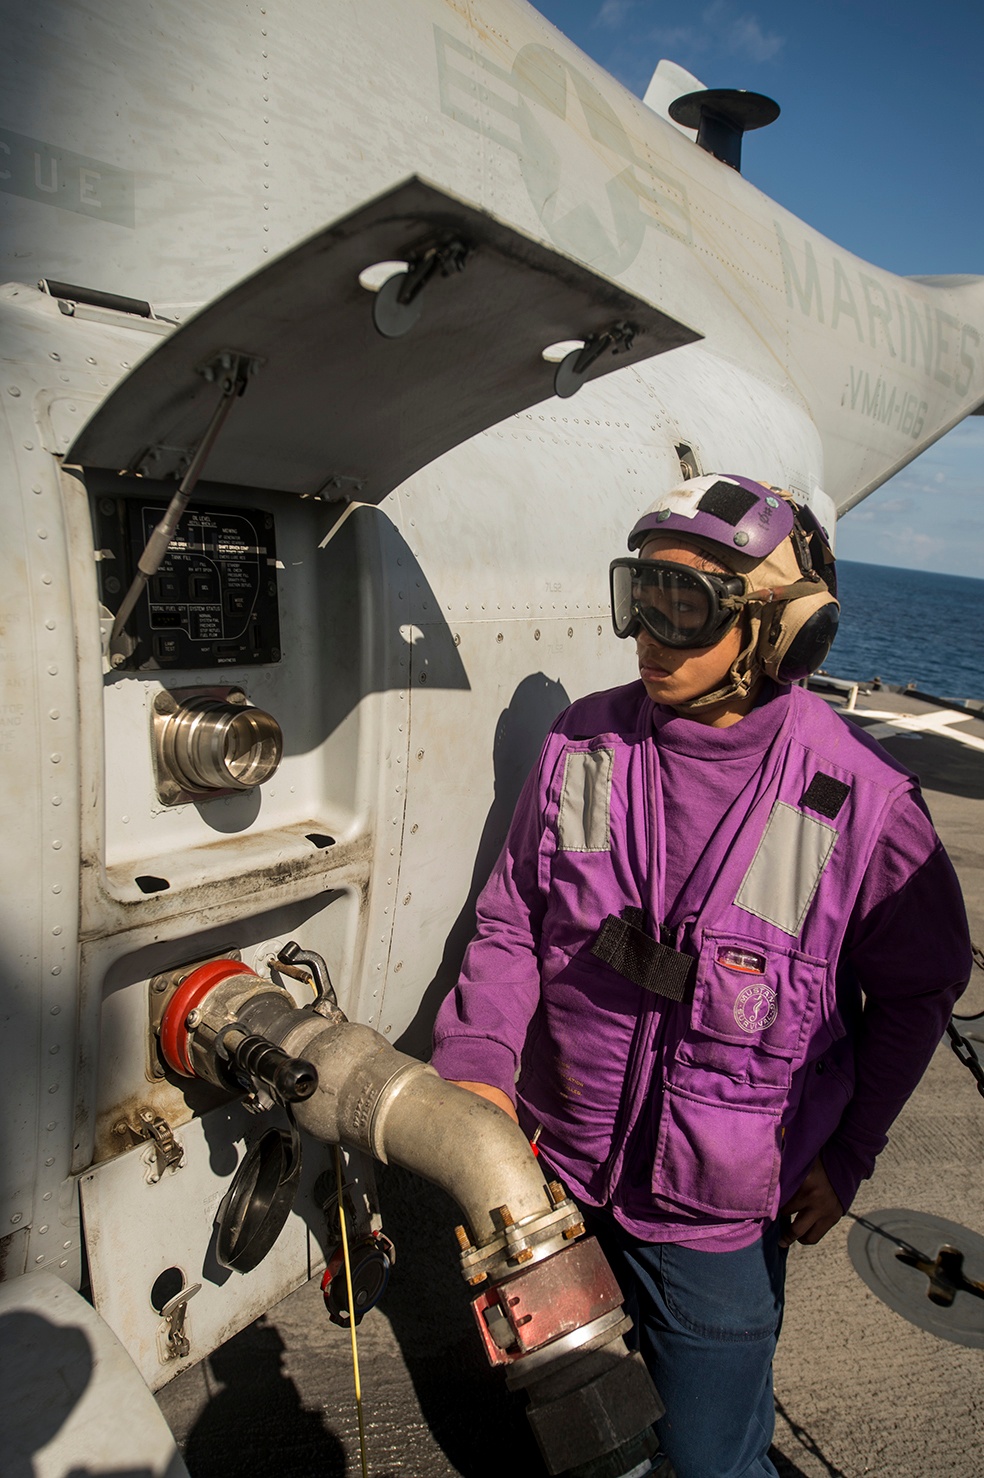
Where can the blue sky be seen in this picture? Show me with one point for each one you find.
(878, 146)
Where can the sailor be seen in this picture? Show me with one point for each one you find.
(716, 953)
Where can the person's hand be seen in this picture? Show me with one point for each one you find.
(814, 1208)
(494, 1095)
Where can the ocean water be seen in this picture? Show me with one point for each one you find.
(907, 626)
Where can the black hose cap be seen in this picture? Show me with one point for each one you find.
(256, 1206)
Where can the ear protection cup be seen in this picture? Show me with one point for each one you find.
(797, 638)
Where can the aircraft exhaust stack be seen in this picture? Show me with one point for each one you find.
(721, 116)
(549, 1309)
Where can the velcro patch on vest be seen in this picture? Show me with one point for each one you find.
(584, 820)
(654, 966)
(825, 794)
(787, 867)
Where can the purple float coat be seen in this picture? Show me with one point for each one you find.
(696, 1119)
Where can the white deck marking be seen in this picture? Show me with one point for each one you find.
(896, 725)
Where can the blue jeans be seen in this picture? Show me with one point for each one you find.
(707, 1325)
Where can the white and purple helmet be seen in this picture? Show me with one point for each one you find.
(736, 514)
(782, 556)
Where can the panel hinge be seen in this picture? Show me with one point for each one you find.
(165, 1152)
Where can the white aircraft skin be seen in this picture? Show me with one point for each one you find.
(164, 151)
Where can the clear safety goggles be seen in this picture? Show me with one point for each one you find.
(678, 605)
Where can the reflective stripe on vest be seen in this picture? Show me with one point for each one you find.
(584, 822)
(786, 869)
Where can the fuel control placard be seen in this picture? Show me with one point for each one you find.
(213, 602)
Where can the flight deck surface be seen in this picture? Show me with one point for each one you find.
(859, 1391)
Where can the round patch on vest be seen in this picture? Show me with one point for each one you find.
(756, 1008)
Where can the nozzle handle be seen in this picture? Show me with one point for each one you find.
(258, 1063)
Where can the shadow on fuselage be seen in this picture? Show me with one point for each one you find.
(519, 736)
(37, 1355)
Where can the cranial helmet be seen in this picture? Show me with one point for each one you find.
(782, 556)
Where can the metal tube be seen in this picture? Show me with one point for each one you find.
(399, 1110)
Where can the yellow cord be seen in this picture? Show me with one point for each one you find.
(351, 1310)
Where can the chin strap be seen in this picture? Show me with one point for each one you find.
(744, 672)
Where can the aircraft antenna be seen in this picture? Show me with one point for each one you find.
(721, 116)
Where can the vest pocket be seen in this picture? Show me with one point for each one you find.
(578, 1051)
(717, 1157)
(753, 1009)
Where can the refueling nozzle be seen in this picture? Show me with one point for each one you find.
(212, 1028)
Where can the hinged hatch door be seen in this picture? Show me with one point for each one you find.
(335, 405)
